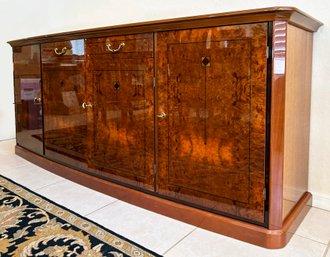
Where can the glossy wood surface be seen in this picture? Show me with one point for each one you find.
(65, 89)
(123, 108)
(28, 95)
(212, 86)
(113, 135)
(234, 228)
(290, 14)
(290, 119)
(297, 116)
(277, 126)
(189, 96)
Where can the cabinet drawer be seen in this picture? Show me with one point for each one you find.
(131, 46)
(64, 51)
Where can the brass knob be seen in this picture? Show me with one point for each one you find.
(37, 100)
(161, 115)
(86, 105)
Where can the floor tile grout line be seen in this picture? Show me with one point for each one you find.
(324, 255)
(327, 250)
(321, 209)
(100, 208)
(51, 184)
(169, 249)
(311, 239)
(11, 168)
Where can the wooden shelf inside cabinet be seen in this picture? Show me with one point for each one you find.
(204, 119)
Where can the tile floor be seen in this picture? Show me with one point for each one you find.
(161, 234)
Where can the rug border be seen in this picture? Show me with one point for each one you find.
(84, 218)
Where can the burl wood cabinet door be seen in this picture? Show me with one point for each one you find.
(211, 122)
(121, 72)
(28, 95)
(65, 102)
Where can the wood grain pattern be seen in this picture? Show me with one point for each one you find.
(211, 145)
(123, 113)
(297, 115)
(290, 117)
(277, 125)
(208, 74)
(65, 89)
(28, 95)
(290, 14)
(114, 138)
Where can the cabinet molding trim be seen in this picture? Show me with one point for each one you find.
(290, 14)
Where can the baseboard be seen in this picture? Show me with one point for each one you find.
(7, 139)
(251, 233)
(321, 201)
(292, 193)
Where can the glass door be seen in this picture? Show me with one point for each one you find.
(28, 105)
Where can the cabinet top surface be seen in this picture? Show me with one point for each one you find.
(291, 15)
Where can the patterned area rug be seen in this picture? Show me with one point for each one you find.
(31, 225)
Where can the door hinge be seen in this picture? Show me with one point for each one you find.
(154, 81)
(265, 194)
(269, 52)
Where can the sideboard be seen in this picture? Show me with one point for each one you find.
(204, 119)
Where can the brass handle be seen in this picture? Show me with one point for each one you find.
(121, 45)
(161, 115)
(63, 51)
(86, 105)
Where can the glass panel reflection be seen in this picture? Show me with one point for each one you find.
(28, 97)
(78, 46)
(65, 118)
(211, 84)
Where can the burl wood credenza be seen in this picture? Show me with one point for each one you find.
(204, 119)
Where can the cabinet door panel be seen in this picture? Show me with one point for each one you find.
(65, 121)
(212, 85)
(28, 95)
(205, 106)
(123, 114)
(120, 124)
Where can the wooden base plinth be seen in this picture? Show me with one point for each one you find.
(244, 231)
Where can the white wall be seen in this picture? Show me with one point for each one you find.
(21, 19)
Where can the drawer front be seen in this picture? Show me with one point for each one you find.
(130, 46)
(71, 51)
